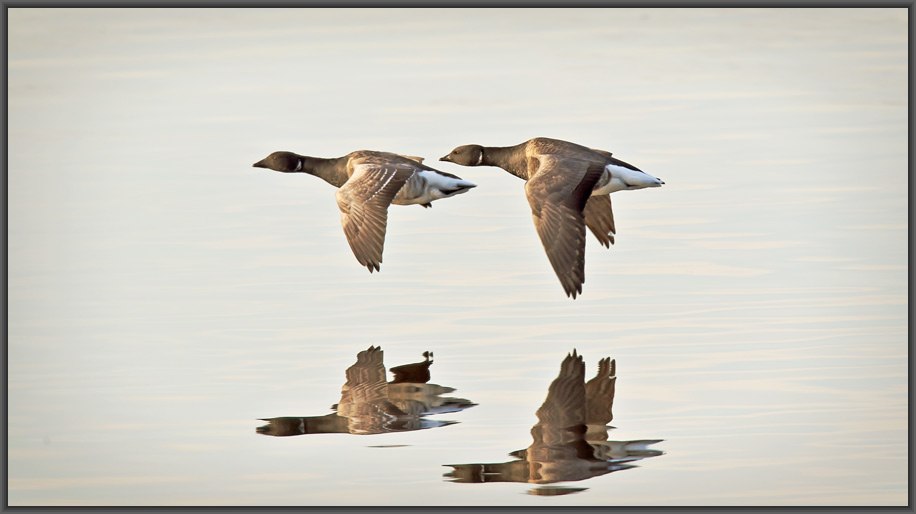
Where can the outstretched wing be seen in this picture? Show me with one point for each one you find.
(557, 194)
(363, 202)
(599, 218)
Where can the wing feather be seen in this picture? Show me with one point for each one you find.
(604, 153)
(558, 194)
(366, 387)
(565, 402)
(363, 202)
(599, 218)
(599, 393)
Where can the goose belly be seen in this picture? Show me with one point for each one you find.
(619, 178)
(427, 186)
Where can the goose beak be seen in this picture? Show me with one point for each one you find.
(259, 164)
(445, 158)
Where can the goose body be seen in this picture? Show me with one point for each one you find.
(568, 187)
(368, 181)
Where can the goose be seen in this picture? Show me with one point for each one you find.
(368, 181)
(568, 187)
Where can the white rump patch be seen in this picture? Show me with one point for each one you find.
(625, 178)
(436, 185)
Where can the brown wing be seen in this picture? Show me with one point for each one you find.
(558, 449)
(565, 402)
(599, 218)
(366, 382)
(605, 153)
(412, 158)
(599, 393)
(363, 202)
(557, 194)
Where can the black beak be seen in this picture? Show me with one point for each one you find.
(445, 158)
(259, 164)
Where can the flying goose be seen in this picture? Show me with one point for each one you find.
(568, 187)
(367, 183)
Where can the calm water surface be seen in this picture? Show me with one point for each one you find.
(165, 296)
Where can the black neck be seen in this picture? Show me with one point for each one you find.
(332, 171)
(508, 158)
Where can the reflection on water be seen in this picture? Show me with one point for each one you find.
(369, 404)
(570, 439)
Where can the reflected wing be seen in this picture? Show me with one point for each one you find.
(565, 402)
(416, 373)
(366, 381)
(363, 202)
(599, 393)
(599, 218)
(557, 195)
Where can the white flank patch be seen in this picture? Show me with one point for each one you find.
(436, 184)
(437, 181)
(625, 178)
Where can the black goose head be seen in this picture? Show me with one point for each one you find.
(286, 162)
(466, 155)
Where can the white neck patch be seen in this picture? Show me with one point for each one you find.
(480, 159)
(299, 165)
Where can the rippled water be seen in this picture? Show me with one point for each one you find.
(165, 296)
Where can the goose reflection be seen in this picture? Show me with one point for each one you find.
(369, 404)
(570, 439)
